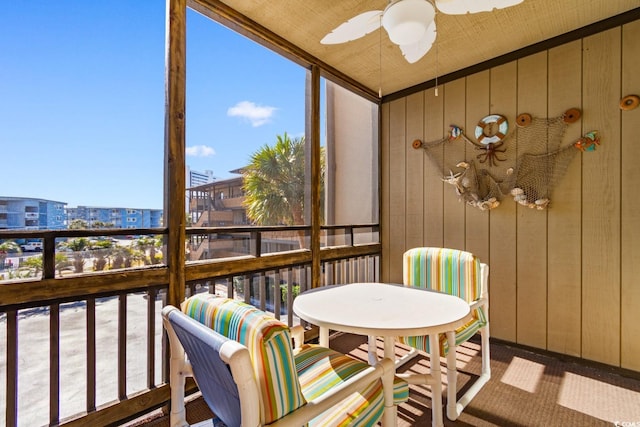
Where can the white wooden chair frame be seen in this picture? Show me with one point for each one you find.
(455, 406)
(237, 357)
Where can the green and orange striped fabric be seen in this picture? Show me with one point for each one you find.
(450, 271)
(269, 344)
(289, 379)
(321, 369)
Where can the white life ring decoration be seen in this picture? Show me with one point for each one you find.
(491, 129)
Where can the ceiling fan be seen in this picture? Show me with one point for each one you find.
(409, 23)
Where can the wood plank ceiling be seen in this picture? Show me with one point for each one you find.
(462, 41)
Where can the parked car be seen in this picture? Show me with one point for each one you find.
(31, 247)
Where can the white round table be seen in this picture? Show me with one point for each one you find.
(386, 310)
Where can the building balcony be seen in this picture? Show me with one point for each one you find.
(100, 323)
(233, 202)
(103, 341)
(85, 347)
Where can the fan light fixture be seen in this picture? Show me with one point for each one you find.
(410, 24)
(406, 21)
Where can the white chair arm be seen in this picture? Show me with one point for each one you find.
(478, 303)
(237, 357)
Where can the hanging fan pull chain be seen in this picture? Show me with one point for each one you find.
(436, 42)
(380, 60)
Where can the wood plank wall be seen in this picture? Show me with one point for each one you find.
(564, 279)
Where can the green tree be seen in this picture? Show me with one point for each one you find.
(6, 247)
(62, 262)
(121, 257)
(148, 244)
(34, 264)
(78, 224)
(99, 250)
(101, 224)
(77, 246)
(274, 183)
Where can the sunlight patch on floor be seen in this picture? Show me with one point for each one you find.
(416, 407)
(523, 374)
(599, 399)
(465, 354)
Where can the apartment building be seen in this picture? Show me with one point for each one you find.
(197, 178)
(217, 204)
(31, 213)
(117, 216)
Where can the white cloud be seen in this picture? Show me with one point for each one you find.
(258, 115)
(200, 151)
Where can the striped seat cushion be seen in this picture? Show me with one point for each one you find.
(321, 369)
(269, 344)
(463, 333)
(451, 271)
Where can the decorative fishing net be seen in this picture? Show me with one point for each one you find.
(526, 164)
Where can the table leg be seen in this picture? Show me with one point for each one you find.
(390, 417)
(436, 386)
(372, 350)
(452, 378)
(323, 338)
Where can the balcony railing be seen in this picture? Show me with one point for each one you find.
(233, 202)
(103, 328)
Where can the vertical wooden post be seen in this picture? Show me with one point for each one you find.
(54, 364)
(315, 176)
(11, 414)
(174, 174)
(255, 243)
(122, 346)
(91, 354)
(151, 337)
(49, 256)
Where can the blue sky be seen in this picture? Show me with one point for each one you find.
(82, 100)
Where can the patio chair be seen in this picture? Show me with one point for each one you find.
(461, 274)
(250, 374)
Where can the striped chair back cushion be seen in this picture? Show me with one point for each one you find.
(269, 344)
(451, 271)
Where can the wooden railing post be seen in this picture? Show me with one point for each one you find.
(49, 256)
(54, 364)
(11, 415)
(315, 176)
(255, 243)
(175, 187)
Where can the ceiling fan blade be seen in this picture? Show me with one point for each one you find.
(414, 51)
(460, 7)
(354, 28)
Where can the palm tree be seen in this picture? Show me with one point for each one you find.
(274, 183)
(101, 224)
(32, 266)
(148, 243)
(99, 249)
(121, 257)
(62, 262)
(34, 263)
(78, 224)
(78, 246)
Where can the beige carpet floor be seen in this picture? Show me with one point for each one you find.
(526, 389)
